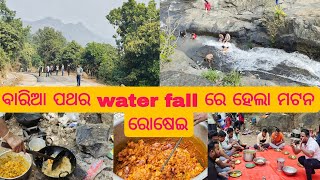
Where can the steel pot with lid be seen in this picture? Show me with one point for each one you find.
(249, 155)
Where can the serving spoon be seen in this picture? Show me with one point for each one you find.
(174, 149)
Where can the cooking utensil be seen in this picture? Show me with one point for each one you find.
(36, 144)
(236, 155)
(35, 153)
(28, 119)
(235, 173)
(290, 171)
(250, 165)
(292, 157)
(249, 155)
(200, 141)
(280, 163)
(174, 149)
(237, 162)
(259, 161)
(26, 174)
(286, 153)
(56, 160)
(56, 150)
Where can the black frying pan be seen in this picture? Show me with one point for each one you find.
(28, 119)
(50, 150)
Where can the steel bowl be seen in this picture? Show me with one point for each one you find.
(26, 174)
(259, 161)
(288, 170)
(200, 132)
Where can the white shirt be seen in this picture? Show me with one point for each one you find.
(210, 119)
(313, 146)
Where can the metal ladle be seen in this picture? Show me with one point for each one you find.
(174, 149)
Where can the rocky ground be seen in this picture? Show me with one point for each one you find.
(88, 136)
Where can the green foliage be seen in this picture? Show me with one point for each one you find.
(279, 13)
(138, 29)
(11, 39)
(49, 44)
(27, 54)
(232, 79)
(211, 75)
(97, 55)
(5, 13)
(4, 60)
(167, 46)
(71, 54)
(107, 69)
(275, 23)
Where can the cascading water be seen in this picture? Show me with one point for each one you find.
(267, 62)
(293, 66)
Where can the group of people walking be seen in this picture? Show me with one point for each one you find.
(51, 69)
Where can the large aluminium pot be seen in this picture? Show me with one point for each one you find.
(200, 132)
(249, 155)
(25, 175)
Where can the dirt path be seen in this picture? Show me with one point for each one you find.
(33, 79)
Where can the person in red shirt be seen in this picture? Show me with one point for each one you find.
(193, 36)
(207, 6)
(228, 121)
(241, 120)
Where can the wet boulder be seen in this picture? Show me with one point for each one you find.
(93, 139)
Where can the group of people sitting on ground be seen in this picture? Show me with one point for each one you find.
(221, 162)
(264, 141)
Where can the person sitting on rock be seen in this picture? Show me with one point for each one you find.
(221, 38)
(227, 38)
(207, 6)
(263, 140)
(183, 34)
(277, 140)
(209, 59)
(193, 36)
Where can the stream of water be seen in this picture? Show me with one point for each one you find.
(273, 62)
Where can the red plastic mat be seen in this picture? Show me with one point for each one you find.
(269, 170)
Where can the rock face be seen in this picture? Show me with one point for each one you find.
(310, 121)
(243, 20)
(93, 139)
(182, 71)
(283, 122)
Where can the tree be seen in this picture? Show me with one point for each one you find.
(4, 60)
(49, 44)
(27, 54)
(5, 13)
(138, 39)
(96, 53)
(71, 54)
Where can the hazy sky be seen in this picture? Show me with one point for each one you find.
(91, 13)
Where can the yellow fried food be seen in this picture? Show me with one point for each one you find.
(65, 166)
(13, 165)
(143, 160)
